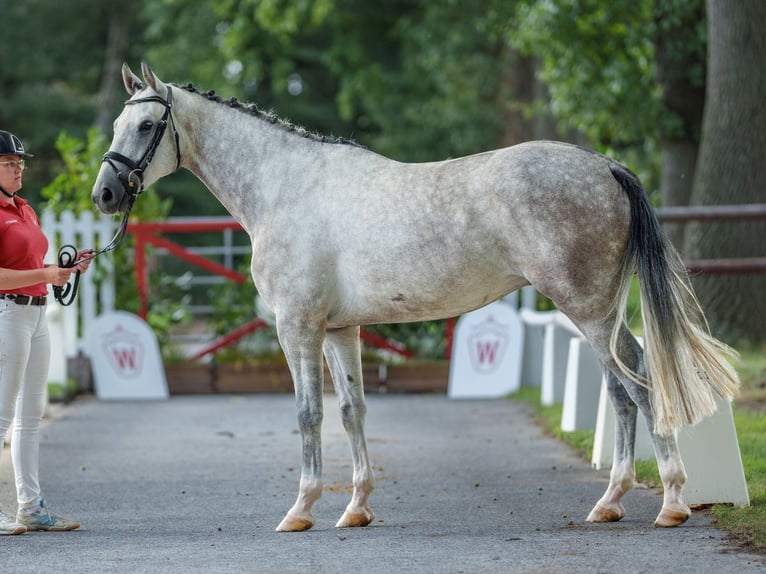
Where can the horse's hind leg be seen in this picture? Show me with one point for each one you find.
(342, 350)
(622, 477)
(623, 391)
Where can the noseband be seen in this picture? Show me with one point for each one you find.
(138, 168)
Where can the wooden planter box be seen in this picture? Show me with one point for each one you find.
(197, 378)
(189, 378)
(417, 377)
(258, 378)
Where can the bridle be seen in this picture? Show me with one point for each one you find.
(67, 256)
(138, 168)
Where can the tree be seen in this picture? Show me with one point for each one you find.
(731, 167)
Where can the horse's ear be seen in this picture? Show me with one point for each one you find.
(132, 82)
(151, 79)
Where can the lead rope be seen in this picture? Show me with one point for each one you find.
(67, 258)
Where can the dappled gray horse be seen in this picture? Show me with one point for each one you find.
(344, 237)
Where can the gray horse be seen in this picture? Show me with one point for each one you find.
(344, 237)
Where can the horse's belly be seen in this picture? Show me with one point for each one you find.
(401, 303)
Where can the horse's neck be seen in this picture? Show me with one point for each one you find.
(244, 160)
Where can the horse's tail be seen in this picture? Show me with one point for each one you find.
(686, 367)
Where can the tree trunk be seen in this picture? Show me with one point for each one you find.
(678, 52)
(115, 54)
(516, 92)
(519, 91)
(731, 167)
(679, 159)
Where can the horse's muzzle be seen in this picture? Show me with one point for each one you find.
(109, 197)
(104, 199)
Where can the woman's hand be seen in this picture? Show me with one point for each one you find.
(82, 267)
(58, 276)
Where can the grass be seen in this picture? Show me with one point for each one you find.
(746, 524)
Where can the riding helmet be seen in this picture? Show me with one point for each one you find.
(11, 145)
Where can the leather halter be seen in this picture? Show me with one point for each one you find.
(130, 186)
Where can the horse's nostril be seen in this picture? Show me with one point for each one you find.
(106, 195)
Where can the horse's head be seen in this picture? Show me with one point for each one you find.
(145, 143)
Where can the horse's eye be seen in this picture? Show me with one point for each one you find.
(146, 126)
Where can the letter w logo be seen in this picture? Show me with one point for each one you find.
(487, 345)
(125, 359)
(486, 352)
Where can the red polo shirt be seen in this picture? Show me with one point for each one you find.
(22, 243)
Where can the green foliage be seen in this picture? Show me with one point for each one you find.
(598, 64)
(752, 374)
(62, 392)
(51, 61)
(183, 39)
(427, 339)
(168, 299)
(70, 189)
(749, 524)
(683, 26)
(432, 94)
(268, 52)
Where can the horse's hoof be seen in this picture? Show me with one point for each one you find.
(356, 518)
(604, 514)
(292, 523)
(669, 518)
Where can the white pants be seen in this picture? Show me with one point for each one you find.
(25, 350)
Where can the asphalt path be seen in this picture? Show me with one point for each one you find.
(199, 483)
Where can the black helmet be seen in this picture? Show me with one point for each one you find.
(11, 145)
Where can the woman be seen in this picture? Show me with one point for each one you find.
(24, 339)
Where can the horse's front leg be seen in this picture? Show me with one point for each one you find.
(303, 349)
(342, 350)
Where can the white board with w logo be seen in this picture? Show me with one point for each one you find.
(486, 353)
(125, 358)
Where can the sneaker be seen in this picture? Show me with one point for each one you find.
(44, 519)
(8, 526)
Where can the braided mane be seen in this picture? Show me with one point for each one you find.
(268, 116)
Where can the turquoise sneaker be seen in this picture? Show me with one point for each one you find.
(44, 519)
(8, 526)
